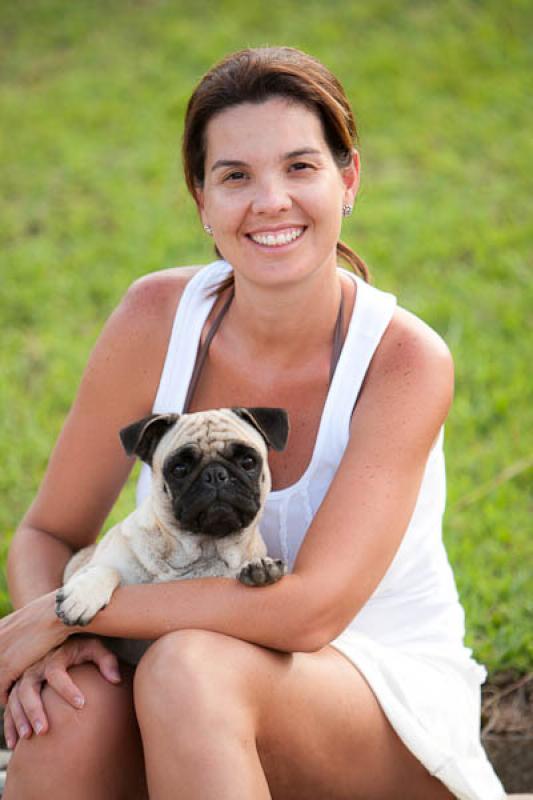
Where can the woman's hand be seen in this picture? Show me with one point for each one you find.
(26, 636)
(25, 712)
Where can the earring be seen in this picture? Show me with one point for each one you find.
(347, 209)
(208, 229)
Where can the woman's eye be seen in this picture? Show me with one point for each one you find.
(234, 176)
(300, 166)
(248, 463)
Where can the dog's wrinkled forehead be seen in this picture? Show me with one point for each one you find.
(212, 431)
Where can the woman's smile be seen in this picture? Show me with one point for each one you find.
(277, 238)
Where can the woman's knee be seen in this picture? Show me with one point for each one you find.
(178, 661)
(106, 715)
(79, 742)
(193, 674)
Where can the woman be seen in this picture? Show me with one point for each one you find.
(348, 678)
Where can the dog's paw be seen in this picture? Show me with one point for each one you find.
(85, 594)
(262, 571)
(73, 608)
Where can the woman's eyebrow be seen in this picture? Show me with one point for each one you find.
(304, 151)
(228, 162)
(233, 162)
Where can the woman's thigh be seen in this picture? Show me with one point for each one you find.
(323, 736)
(83, 753)
(320, 732)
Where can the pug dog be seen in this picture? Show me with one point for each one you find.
(210, 479)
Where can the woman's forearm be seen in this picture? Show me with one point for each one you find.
(35, 564)
(276, 616)
(281, 616)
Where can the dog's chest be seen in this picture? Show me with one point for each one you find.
(200, 558)
(186, 557)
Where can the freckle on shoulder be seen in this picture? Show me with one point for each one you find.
(412, 358)
(409, 341)
(158, 292)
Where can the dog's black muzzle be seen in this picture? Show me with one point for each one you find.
(218, 502)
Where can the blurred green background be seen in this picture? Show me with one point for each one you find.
(92, 97)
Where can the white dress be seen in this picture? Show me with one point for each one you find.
(407, 640)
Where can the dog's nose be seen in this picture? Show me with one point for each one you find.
(215, 474)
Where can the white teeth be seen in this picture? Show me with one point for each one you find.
(276, 239)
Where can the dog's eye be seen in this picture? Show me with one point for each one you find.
(180, 470)
(248, 463)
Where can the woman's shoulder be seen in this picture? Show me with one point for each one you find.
(152, 300)
(134, 340)
(412, 364)
(160, 289)
(409, 340)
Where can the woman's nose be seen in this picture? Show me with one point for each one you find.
(271, 197)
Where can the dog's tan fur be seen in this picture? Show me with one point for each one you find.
(148, 546)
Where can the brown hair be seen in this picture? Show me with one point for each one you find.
(255, 75)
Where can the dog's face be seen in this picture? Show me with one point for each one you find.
(209, 469)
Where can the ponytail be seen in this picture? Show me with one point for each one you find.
(353, 260)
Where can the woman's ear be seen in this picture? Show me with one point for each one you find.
(199, 197)
(350, 178)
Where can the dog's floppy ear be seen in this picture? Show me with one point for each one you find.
(272, 424)
(142, 437)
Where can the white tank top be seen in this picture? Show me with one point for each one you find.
(416, 603)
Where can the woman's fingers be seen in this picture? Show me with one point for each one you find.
(16, 723)
(79, 650)
(25, 711)
(58, 678)
(29, 697)
(106, 661)
(10, 731)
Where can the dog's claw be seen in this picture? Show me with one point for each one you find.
(70, 613)
(85, 594)
(262, 571)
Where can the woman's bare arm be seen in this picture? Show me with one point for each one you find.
(88, 467)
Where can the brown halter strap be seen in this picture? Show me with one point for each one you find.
(203, 347)
(338, 340)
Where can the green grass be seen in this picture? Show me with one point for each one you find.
(92, 98)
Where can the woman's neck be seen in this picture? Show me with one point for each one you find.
(289, 321)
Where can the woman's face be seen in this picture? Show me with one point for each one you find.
(273, 193)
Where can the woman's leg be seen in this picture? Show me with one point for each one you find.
(222, 719)
(92, 753)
